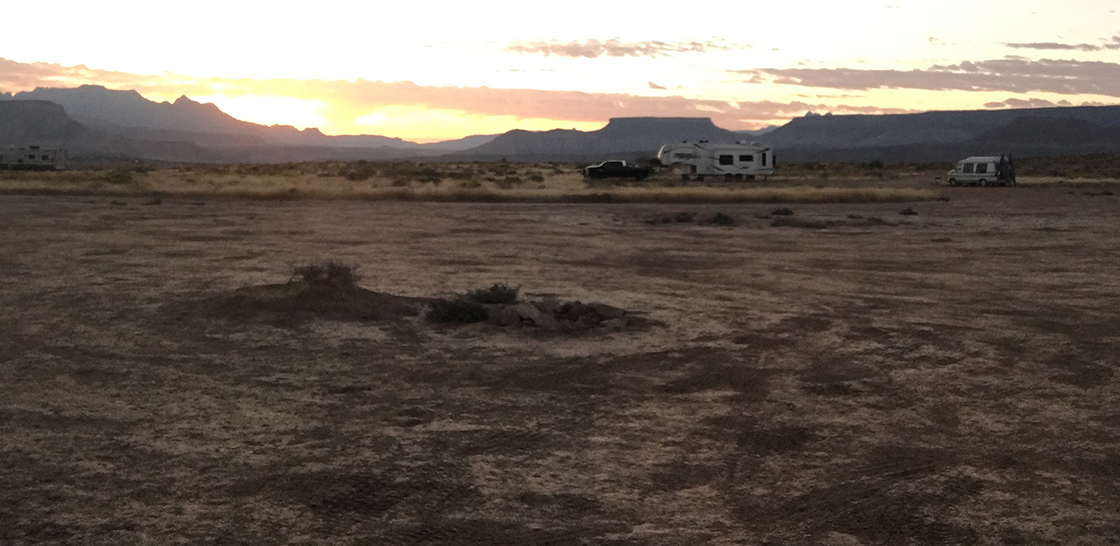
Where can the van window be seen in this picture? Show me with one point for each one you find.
(726, 160)
(981, 168)
(968, 168)
(746, 159)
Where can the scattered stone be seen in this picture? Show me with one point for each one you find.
(908, 211)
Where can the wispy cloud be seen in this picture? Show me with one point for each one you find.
(657, 87)
(1112, 44)
(1054, 46)
(1013, 74)
(615, 47)
(1026, 103)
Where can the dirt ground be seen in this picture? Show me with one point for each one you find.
(862, 377)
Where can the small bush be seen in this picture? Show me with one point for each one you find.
(782, 212)
(330, 273)
(723, 219)
(118, 177)
(457, 310)
(499, 293)
(684, 217)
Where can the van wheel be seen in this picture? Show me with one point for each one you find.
(983, 183)
(952, 181)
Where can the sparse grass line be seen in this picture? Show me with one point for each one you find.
(564, 187)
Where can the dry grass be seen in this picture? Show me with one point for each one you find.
(465, 182)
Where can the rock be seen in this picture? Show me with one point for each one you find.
(588, 321)
(571, 311)
(503, 316)
(606, 312)
(529, 314)
(615, 324)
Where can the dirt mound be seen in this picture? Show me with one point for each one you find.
(298, 302)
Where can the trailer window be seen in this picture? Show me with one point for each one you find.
(968, 167)
(746, 159)
(726, 160)
(981, 168)
(763, 159)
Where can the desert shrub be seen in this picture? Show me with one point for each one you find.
(723, 219)
(456, 310)
(790, 221)
(360, 173)
(684, 217)
(120, 176)
(498, 293)
(536, 177)
(782, 212)
(329, 273)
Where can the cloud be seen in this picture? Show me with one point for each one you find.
(658, 87)
(1013, 74)
(592, 49)
(935, 41)
(1112, 44)
(1026, 103)
(1054, 46)
(345, 101)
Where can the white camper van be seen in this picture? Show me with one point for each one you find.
(731, 161)
(983, 171)
(32, 158)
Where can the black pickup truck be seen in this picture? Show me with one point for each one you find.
(616, 168)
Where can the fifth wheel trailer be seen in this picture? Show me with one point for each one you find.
(731, 161)
(32, 158)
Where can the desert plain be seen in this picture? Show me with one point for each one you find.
(848, 376)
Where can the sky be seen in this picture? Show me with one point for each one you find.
(428, 71)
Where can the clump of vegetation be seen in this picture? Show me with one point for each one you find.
(326, 274)
(361, 172)
(781, 212)
(499, 293)
(723, 219)
(457, 310)
(118, 177)
(790, 221)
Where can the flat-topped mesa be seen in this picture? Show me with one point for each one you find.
(653, 130)
(672, 128)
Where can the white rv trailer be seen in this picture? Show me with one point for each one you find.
(32, 158)
(731, 161)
